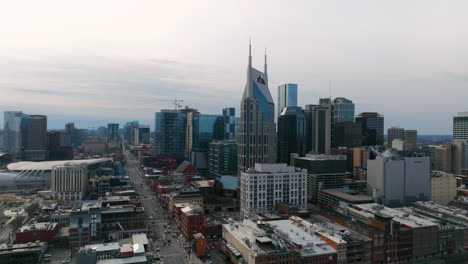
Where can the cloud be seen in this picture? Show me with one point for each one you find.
(107, 88)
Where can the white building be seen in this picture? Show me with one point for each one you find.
(460, 126)
(269, 184)
(69, 181)
(397, 181)
(443, 187)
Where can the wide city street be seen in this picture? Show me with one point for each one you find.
(161, 229)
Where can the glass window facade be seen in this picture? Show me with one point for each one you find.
(287, 96)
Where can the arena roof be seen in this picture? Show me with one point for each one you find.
(47, 165)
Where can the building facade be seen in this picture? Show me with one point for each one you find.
(25, 136)
(347, 134)
(323, 172)
(372, 128)
(443, 187)
(291, 133)
(222, 157)
(460, 126)
(318, 127)
(170, 133)
(269, 184)
(287, 96)
(342, 110)
(69, 182)
(257, 129)
(397, 181)
(395, 133)
(112, 131)
(230, 123)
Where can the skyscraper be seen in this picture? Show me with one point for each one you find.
(170, 133)
(395, 133)
(112, 131)
(372, 128)
(12, 133)
(287, 96)
(34, 137)
(347, 134)
(291, 133)
(257, 129)
(25, 136)
(342, 110)
(143, 134)
(318, 127)
(230, 123)
(409, 137)
(460, 126)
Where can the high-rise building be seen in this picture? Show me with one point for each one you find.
(112, 131)
(395, 132)
(12, 133)
(443, 187)
(287, 96)
(69, 182)
(257, 130)
(347, 134)
(460, 126)
(170, 133)
(25, 136)
(129, 131)
(101, 132)
(143, 135)
(322, 129)
(60, 146)
(205, 128)
(372, 128)
(291, 133)
(222, 157)
(342, 110)
(1, 138)
(266, 185)
(411, 139)
(34, 137)
(397, 181)
(442, 158)
(323, 172)
(230, 123)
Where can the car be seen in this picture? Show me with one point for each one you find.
(46, 255)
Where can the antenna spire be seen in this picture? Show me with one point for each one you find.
(265, 62)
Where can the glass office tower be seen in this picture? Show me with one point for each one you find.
(170, 133)
(287, 96)
(12, 132)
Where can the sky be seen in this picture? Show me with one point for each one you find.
(94, 62)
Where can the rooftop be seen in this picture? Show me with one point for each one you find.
(47, 165)
(273, 168)
(406, 219)
(447, 210)
(320, 157)
(311, 244)
(130, 260)
(37, 226)
(86, 205)
(348, 195)
(251, 236)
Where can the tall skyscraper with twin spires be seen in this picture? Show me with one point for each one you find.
(256, 136)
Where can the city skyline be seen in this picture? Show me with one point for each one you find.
(72, 71)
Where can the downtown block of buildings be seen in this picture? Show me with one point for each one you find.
(312, 184)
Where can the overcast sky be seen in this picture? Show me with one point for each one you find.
(93, 62)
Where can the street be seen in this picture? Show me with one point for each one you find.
(170, 249)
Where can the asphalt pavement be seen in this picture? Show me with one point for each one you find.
(173, 251)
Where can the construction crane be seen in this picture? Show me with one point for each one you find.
(176, 102)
